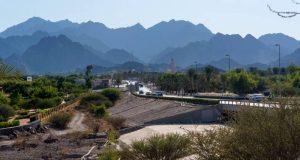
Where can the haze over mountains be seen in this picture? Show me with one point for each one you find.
(40, 46)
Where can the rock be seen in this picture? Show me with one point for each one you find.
(12, 136)
(97, 135)
(101, 135)
(73, 155)
(50, 139)
(5, 147)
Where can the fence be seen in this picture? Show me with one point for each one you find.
(61, 107)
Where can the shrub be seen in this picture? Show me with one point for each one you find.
(171, 146)
(112, 94)
(109, 154)
(112, 136)
(16, 99)
(255, 133)
(6, 111)
(43, 103)
(60, 120)
(98, 111)
(116, 122)
(3, 99)
(22, 112)
(9, 124)
(96, 99)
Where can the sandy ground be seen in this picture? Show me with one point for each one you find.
(163, 129)
(76, 125)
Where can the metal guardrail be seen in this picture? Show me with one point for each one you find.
(249, 104)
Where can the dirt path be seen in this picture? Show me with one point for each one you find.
(75, 125)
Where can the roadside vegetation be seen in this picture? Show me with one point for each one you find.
(278, 82)
(60, 120)
(19, 96)
(97, 103)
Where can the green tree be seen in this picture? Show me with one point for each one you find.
(6, 112)
(88, 76)
(112, 94)
(118, 79)
(242, 82)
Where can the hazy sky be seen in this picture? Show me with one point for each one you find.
(225, 16)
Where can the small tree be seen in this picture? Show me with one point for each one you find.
(118, 79)
(6, 112)
(112, 94)
(88, 76)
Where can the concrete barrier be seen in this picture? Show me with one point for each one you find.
(10, 130)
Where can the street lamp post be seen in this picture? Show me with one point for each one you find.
(279, 50)
(227, 55)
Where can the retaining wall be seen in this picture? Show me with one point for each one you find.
(9, 130)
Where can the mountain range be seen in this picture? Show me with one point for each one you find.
(39, 46)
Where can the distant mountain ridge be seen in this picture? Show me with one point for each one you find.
(36, 44)
(288, 44)
(245, 50)
(18, 44)
(58, 55)
(143, 43)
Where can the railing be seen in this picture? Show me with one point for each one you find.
(249, 104)
(44, 116)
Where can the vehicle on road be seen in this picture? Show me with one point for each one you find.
(157, 93)
(148, 93)
(255, 97)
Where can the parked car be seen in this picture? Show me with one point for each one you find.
(255, 97)
(148, 93)
(157, 93)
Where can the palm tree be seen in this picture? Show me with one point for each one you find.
(191, 74)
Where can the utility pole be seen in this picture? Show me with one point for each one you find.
(279, 50)
(227, 55)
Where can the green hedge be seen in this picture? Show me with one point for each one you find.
(9, 124)
(188, 100)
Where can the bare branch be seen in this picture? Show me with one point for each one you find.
(285, 14)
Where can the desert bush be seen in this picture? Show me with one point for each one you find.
(255, 133)
(96, 99)
(166, 147)
(9, 124)
(99, 111)
(112, 94)
(109, 154)
(112, 136)
(60, 120)
(116, 122)
(6, 112)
